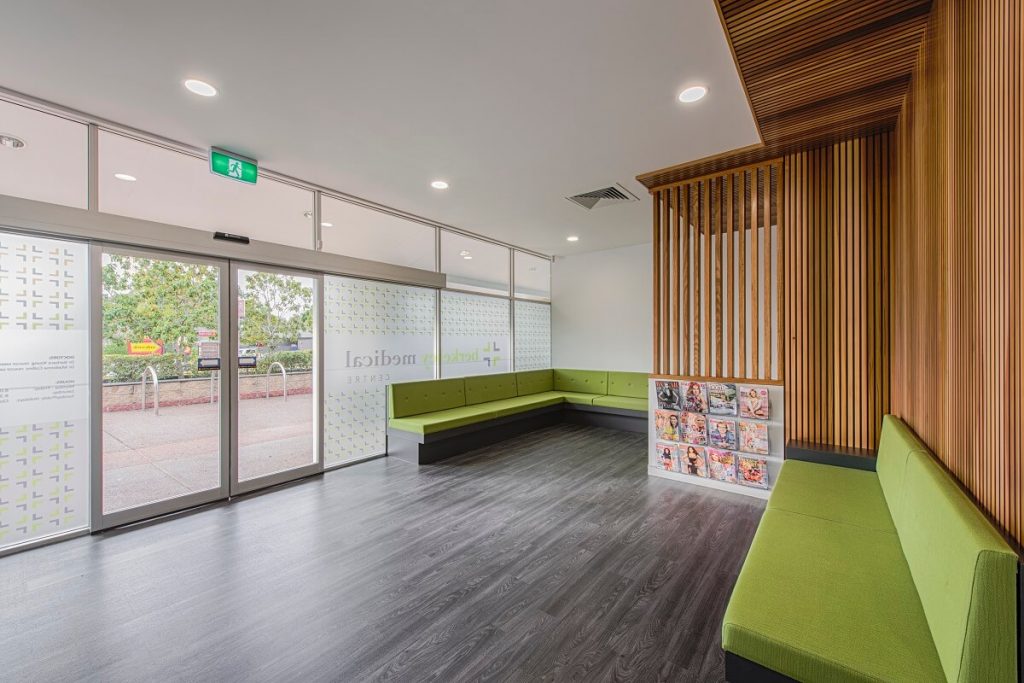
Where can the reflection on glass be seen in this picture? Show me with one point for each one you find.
(276, 420)
(474, 265)
(161, 418)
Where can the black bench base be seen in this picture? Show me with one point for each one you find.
(741, 670)
(431, 448)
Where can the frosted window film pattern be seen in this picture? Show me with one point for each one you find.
(44, 388)
(475, 334)
(374, 334)
(533, 335)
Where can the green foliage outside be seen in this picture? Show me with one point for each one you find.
(171, 302)
(277, 309)
(291, 360)
(124, 368)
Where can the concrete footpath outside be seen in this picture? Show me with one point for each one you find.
(148, 458)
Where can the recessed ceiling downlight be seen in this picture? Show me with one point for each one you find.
(468, 257)
(326, 225)
(572, 238)
(693, 93)
(200, 87)
(127, 177)
(11, 141)
(439, 185)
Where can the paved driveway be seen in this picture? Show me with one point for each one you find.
(147, 458)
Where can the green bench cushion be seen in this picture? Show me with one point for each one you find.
(630, 384)
(964, 571)
(581, 381)
(414, 398)
(625, 402)
(572, 397)
(534, 381)
(484, 388)
(839, 494)
(818, 600)
(431, 423)
(895, 444)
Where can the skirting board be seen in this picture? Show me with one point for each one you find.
(709, 483)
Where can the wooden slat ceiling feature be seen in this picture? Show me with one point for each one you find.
(816, 72)
(809, 65)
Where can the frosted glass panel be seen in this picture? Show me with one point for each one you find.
(354, 230)
(374, 334)
(44, 388)
(533, 335)
(475, 332)
(171, 187)
(533, 277)
(53, 164)
(474, 265)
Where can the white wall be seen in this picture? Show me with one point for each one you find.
(601, 310)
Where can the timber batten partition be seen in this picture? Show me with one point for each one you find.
(718, 272)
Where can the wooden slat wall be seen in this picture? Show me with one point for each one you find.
(716, 315)
(957, 318)
(837, 226)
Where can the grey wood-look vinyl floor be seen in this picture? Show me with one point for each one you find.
(552, 556)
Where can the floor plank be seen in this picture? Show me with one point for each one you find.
(552, 556)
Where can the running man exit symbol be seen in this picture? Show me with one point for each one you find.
(233, 166)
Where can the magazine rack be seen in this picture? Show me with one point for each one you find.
(776, 440)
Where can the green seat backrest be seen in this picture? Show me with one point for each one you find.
(895, 444)
(581, 381)
(428, 396)
(965, 574)
(534, 381)
(630, 384)
(484, 388)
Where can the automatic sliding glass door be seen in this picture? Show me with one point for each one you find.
(163, 418)
(277, 414)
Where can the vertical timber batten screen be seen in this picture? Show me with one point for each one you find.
(837, 223)
(718, 276)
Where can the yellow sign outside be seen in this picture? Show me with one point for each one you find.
(146, 347)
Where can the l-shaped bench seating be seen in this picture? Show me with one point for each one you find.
(436, 419)
(891, 575)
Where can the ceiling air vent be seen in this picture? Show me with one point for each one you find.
(606, 196)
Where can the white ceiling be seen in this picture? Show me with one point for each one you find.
(516, 104)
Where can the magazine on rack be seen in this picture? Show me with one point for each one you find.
(754, 402)
(722, 433)
(752, 471)
(695, 428)
(668, 459)
(668, 394)
(753, 437)
(721, 398)
(693, 461)
(695, 398)
(666, 425)
(722, 465)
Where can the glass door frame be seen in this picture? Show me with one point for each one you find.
(317, 466)
(99, 519)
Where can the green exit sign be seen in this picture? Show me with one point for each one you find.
(233, 166)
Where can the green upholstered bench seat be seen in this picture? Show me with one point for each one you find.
(623, 402)
(436, 406)
(439, 421)
(821, 601)
(839, 494)
(891, 575)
